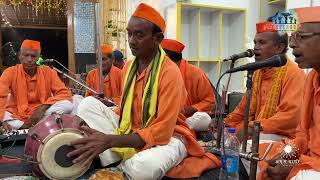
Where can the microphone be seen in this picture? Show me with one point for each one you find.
(274, 61)
(7, 44)
(247, 53)
(41, 61)
(12, 52)
(10, 48)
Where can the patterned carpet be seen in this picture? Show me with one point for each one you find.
(8, 169)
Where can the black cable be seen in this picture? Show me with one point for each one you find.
(220, 114)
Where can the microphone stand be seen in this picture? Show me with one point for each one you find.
(252, 156)
(98, 46)
(247, 109)
(74, 80)
(255, 150)
(82, 84)
(65, 68)
(223, 100)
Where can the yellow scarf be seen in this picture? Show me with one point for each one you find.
(149, 99)
(273, 96)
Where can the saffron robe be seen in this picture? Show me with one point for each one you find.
(27, 93)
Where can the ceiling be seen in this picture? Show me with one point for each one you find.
(24, 16)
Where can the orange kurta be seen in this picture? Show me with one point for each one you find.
(308, 132)
(200, 93)
(27, 93)
(111, 84)
(171, 97)
(288, 110)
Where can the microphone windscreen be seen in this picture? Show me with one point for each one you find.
(39, 61)
(250, 52)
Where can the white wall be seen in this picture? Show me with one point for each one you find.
(227, 3)
(252, 7)
(315, 2)
(302, 3)
(298, 3)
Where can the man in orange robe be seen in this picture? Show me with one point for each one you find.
(306, 145)
(200, 96)
(150, 129)
(280, 116)
(277, 92)
(111, 77)
(35, 91)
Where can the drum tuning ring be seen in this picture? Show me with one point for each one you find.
(35, 136)
(30, 160)
(59, 122)
(82, 123)
(82, 133)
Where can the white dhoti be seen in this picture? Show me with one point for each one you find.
(152, 163)
(264, 138)
(60, 107)
(199, 121)
(76, 99)
(309, 174)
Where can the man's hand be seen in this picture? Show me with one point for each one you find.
(88, 148)
(275, 170)
(240, 134)
(6, 126)
(189, 111)
(38, 113)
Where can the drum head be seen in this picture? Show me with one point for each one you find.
(54, 163)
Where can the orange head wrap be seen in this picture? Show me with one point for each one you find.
(308, 14)
(30, 44)
(265, 27)
(106, 49)
(172, 45)
(148, 13)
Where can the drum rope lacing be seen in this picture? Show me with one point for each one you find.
(19, 158)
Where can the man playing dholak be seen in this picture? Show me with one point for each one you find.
(35, 91)
(277, 92)
(111, 77)
(200, 95)
(149, 137)
(306, 48)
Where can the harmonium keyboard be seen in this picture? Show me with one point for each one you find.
(11, 152)
(14, 136)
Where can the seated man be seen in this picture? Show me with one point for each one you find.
(111, 77)
(35, 91)
(200, 96)
(276, 98)
(277, 92)
(306, 48)
(149, 137)
(118, 60)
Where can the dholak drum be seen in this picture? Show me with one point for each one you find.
(47, 144)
